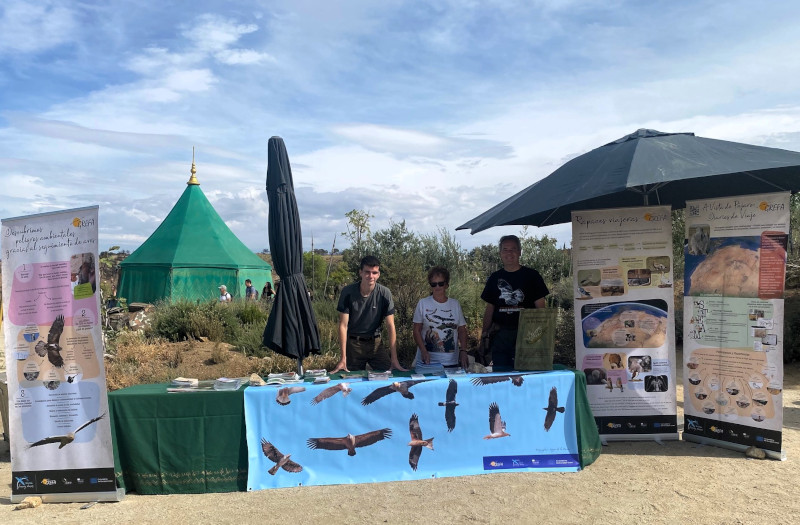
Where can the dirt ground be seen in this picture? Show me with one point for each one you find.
(631, 482)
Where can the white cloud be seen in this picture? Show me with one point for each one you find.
(28, 26)
(213, 33)
(242, 57)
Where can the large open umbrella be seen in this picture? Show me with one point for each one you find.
(647, 167)
(292, 326)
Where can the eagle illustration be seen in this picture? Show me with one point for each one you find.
(66, 439)
(516, 379)
(331, 391)
(52, 349)
(497, 427)
(552, 408)
(283, 394)
(350, 442)
(450, 405)
(509, 295)
(417, 442)
(281, 460)
(397, 386)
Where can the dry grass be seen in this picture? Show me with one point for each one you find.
(138, 360)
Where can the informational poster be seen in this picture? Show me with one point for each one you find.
(624, 319)
(733, 320)
(58, 410)
(536, 339)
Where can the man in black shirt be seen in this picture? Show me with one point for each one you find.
(508, 291)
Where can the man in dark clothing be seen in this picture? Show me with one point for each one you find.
(508, 291)
(362, 308)
(250, 292)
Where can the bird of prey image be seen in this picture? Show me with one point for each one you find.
(552, 408)
(450, 405)
(281, 460)
(283, 394)
(350, 442)
(497, 427)
(52, 349)
(417, 442)
(397, 386)
(516, 379)
(331, 391)
(66, 439)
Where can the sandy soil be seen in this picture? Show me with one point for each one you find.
(631, 482)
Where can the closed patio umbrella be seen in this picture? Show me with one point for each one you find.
(647, 167)
(292, 326)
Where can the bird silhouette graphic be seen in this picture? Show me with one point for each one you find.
(450, 405)
(417, 441)
(67, 438)
(497, 427)
(349, 442)
(331, 391)
(552, 408)
(281, 460)
(283, 394)
(52, 348)
(398, 386)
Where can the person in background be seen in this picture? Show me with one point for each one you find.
(507, 292)
(362, 307)
(224, 296)
(440, 329)
(250, 293)
(267, 293)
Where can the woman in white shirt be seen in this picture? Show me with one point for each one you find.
(440, 329)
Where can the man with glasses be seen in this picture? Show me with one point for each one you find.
(507, 292)
(362, 308)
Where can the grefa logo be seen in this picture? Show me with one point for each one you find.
(82, 223)
(716, 430)
(48, 482)
(655, 218)
(614, 425)
(765, 206)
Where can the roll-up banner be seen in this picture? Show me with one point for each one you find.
(59, 428)
(625, 319)
(733, 321)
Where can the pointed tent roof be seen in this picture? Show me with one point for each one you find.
(194, 235)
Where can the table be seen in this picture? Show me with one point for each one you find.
(178, 443)
(182, 443)
(319, 430)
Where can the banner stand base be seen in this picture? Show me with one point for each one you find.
(781, 456)
(639, 437)
(74, 497)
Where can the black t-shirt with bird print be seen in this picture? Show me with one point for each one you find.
(510, 291)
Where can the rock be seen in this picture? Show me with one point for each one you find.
(755, 453)
(29, 503)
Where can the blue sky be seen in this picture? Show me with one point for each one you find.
(429, 112)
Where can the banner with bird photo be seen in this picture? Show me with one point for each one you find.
(733, 320)
(60, 432)
(398, 429)
(625, 319)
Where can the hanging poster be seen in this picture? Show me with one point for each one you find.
(624, 319)
(58, 410)
(733, 320)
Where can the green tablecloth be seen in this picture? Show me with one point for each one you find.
(189, 443)
(178, 443)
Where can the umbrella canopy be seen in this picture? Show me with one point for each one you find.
(292, 326)
(651, 168)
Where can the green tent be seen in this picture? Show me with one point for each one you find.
(190, 255)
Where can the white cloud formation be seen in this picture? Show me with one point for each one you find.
(28, 26)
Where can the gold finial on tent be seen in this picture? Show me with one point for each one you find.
(193, 180)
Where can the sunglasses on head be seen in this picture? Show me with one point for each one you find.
(439, 283)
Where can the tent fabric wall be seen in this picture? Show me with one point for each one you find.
(189, 255)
